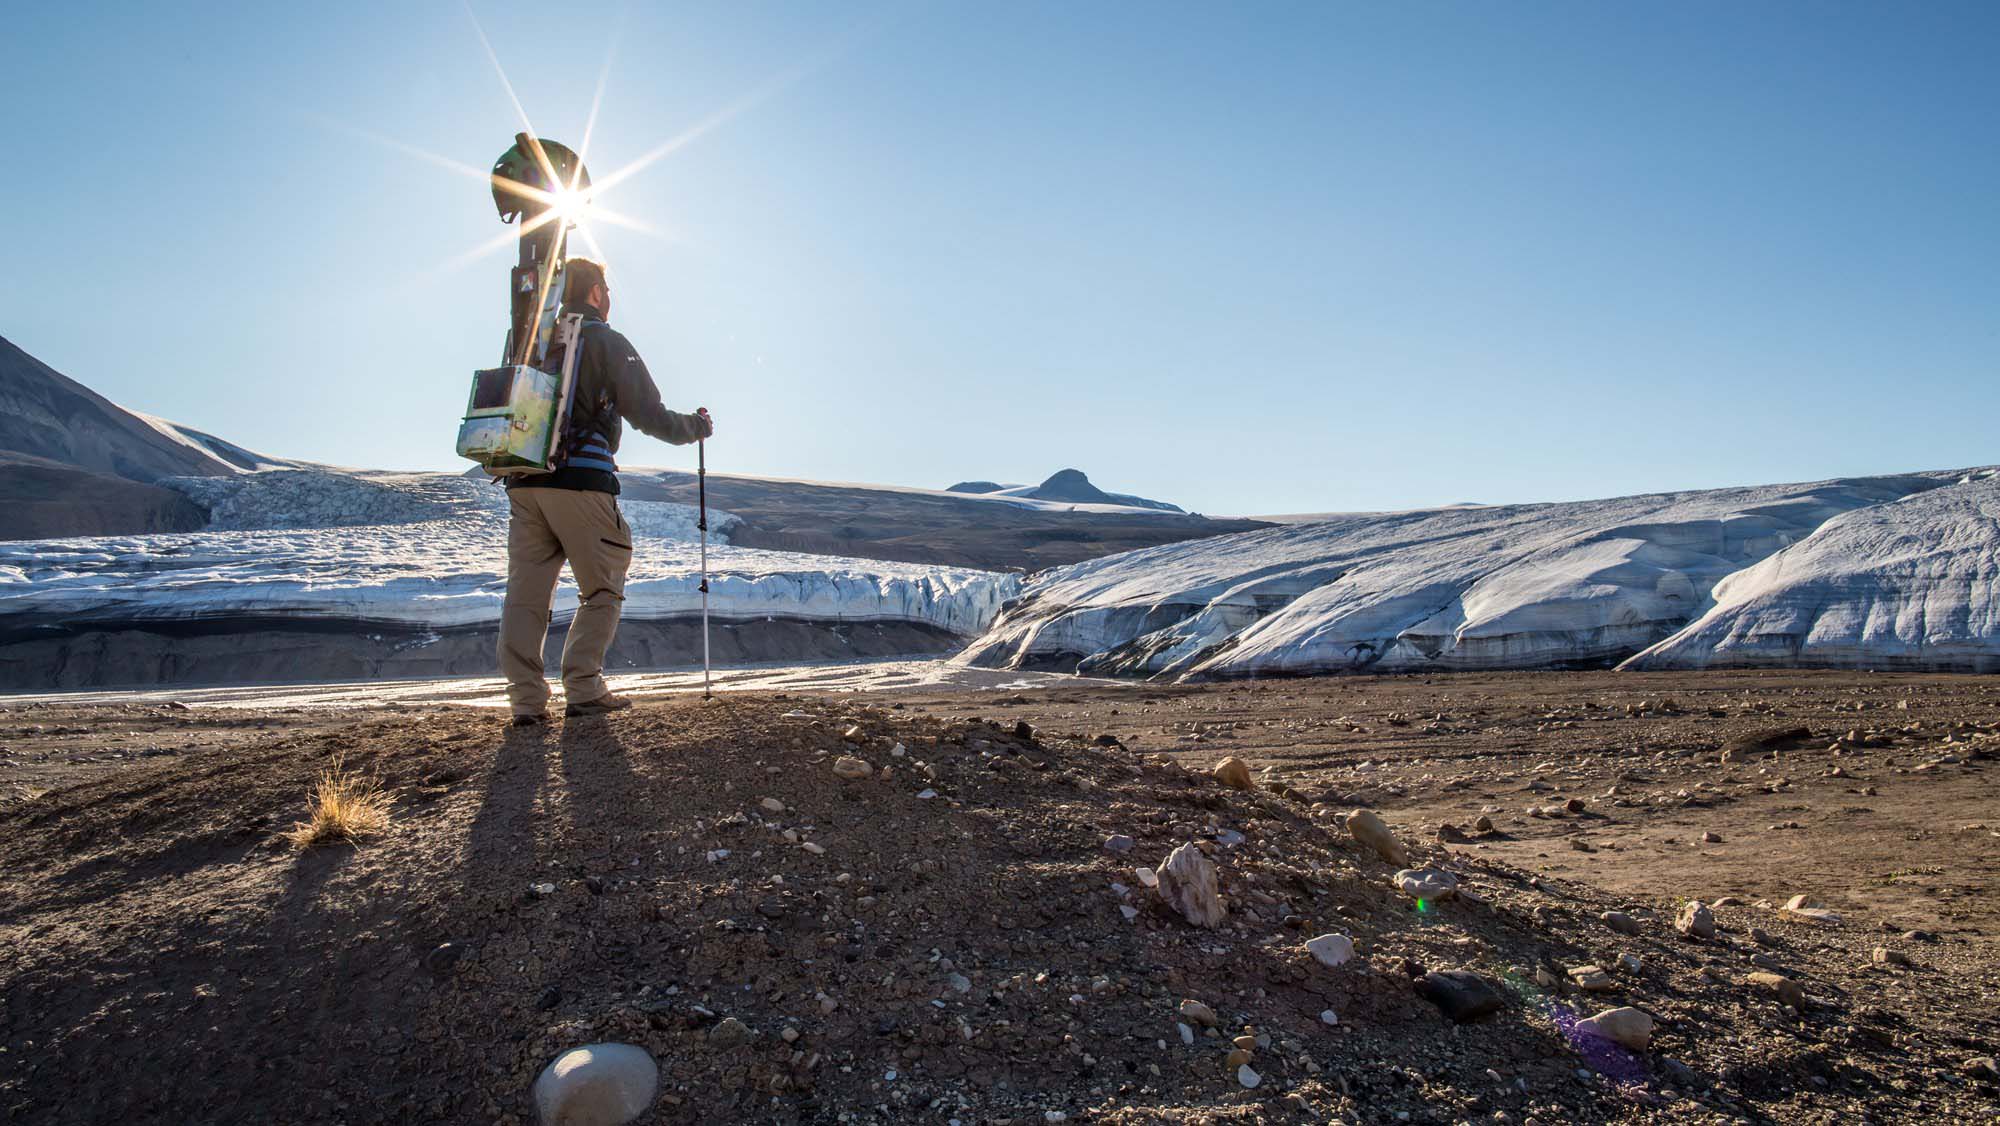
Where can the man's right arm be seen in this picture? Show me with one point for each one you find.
(639, 397)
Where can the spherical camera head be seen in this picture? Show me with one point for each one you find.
(528, 165)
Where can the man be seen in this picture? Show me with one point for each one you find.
(571, 513)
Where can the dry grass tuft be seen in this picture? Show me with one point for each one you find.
(344, 806)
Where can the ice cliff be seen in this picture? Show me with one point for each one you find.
(1838, 571)
(429, 550)
(1912, 584)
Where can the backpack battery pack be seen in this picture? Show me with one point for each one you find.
(515, 416)
(510, 420)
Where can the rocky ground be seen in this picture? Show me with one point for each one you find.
(935, 906)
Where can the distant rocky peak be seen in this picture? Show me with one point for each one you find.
(1071, 486)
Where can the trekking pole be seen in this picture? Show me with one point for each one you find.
(701, 485)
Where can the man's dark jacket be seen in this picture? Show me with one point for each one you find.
(612, 383)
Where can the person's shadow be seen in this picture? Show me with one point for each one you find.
(500, 847)
(602, 792)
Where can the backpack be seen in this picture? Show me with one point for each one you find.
(516, 415)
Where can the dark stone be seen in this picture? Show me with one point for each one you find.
(1767, 739)
(1679, 1074)
(1461, 994)
(729, 1033)
(549, 998)
(444, 959)
(1024, 730)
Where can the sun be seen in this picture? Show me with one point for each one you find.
(579, 206)
(571, 206)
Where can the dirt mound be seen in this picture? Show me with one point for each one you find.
(960, 934)
(913, 526)
(49, 500)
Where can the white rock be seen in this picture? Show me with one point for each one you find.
(1197, 1013)
(1331, 949)
(926, 794)
(1187, 884)
(1234, 773)
(772, 805)
(1592, 978)
(1372, 831)
(1626, 1025)
(1427, 883)
(1696, 920)
(597, 1085)
(851, 768)
(1805, 909)
(1329, 1017)
(1247, 1077)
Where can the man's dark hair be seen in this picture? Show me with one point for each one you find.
(580, 275)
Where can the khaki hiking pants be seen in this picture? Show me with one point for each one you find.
(545, 527)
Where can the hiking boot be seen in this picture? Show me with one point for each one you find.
(528, 719)
(599, 706)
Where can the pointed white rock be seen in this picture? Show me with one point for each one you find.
(1187, 884)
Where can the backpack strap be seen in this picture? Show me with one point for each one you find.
(592, 449)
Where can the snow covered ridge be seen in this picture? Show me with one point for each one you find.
(1914, 558)
(228, 457)
(428, 551)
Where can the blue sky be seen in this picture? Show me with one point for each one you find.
(1249, 258)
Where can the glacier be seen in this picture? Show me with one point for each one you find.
(399, 562)
(1912, 584)
(1686, 578)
